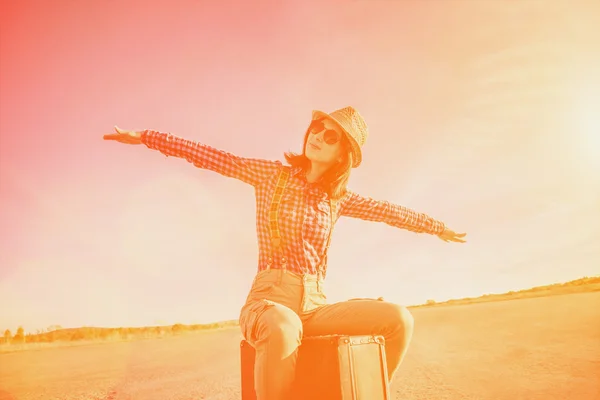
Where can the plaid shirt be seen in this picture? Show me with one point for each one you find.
(304, 212)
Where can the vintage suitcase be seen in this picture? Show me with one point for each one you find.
(334, 367)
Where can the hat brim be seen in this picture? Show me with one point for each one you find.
(354, 146)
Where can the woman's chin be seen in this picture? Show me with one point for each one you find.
(314, 159)
(309, 153)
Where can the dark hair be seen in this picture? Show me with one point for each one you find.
(335, 180)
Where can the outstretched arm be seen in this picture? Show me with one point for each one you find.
(366, 208)
(249, 170)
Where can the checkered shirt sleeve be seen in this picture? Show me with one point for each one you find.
(356, 206)
(248, 170)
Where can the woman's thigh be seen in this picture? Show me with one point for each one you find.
(260, 319)
(356, 317)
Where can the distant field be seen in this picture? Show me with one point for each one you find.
(523, 294)
(535, 348)
(64, 337)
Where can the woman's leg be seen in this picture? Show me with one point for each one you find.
(366, 317)
(275, 331)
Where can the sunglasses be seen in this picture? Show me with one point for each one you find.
(330, 136)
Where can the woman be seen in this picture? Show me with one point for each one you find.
(297, 207)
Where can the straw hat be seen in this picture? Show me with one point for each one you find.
(353, 125)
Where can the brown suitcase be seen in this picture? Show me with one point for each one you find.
(334, 367)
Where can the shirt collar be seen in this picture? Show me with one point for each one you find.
(295, 171)
(313, 187)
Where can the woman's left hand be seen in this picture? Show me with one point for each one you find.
(450, 236)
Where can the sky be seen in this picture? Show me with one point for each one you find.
(482, 114)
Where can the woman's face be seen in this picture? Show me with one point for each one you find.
(324, 142)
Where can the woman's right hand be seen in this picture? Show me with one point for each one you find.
(123, 136)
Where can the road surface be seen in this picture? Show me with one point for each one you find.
(544, 348)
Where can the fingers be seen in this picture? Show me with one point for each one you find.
(450, 236)
(457, 239)
(114, 136)
(454, 240)
(121, 134)
(122, 138)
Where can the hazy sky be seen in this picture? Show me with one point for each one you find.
(483, 114)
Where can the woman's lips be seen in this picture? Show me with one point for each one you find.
(314, 146)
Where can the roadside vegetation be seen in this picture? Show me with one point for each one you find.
(585, 284)
(56, 336)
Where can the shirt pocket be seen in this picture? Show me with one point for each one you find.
(323, 215)
(317, 224)
(313, 299)
(289, 212)
(250, 318)
(261, 289)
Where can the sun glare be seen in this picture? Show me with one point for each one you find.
(587, 125)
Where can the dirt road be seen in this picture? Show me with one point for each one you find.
(541, 348)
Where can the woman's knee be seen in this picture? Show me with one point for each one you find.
(281, 325)
(399, 317)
